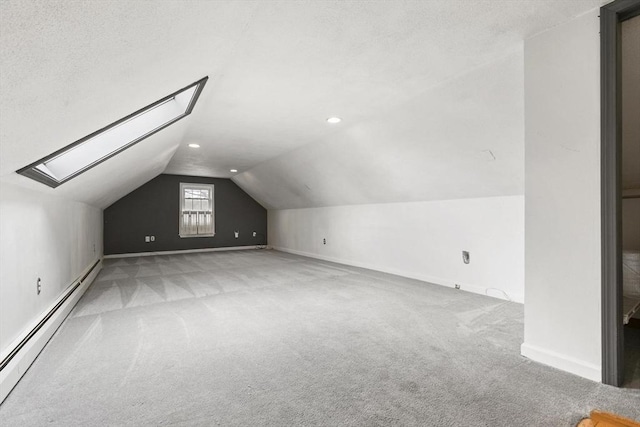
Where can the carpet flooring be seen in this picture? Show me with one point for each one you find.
(264, 338)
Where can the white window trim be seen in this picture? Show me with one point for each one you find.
(209, 187)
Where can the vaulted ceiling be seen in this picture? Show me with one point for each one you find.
(430, 93)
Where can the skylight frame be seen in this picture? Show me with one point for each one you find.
(32, 171)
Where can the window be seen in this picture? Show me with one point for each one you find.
(196, 210)
(97, 147)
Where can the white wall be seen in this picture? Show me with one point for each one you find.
(562, 197)
(42, 236)
(422, 240)
(407, 191)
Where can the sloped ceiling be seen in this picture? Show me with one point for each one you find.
(277, 70)
(462, 139)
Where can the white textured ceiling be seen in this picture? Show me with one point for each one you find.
(463, 139)
(276, 69)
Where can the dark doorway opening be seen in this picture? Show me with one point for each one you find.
(611, 17)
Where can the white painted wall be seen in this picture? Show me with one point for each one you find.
(421, 240)
(562, 197)
(408, 190)
(42, 236)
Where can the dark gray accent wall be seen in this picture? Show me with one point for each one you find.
(153, 210)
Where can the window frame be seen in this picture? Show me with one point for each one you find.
(196, 185)
(32, 171)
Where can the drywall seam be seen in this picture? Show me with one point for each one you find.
(559, 24)
(562, 362)
(411, 275)
(184, 251)
(21, 362)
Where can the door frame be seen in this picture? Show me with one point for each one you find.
(611, 15)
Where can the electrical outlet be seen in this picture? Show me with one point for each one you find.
(465, 257)
(457, 286)
(38, 286)
(147, 239)
(324, 241)
(153, 238)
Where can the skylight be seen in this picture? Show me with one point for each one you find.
(93, 149)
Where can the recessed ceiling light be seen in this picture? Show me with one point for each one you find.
(233, 170)
(194, 145)
(334, 120)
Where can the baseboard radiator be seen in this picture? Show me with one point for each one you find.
(25, 350)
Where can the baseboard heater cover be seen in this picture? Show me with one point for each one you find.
(48, 316)
(8, 374)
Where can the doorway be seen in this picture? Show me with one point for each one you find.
(617, 182)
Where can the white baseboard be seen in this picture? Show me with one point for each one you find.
(22, 360)
(562, 362)
(491, 292)
(184, 251)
